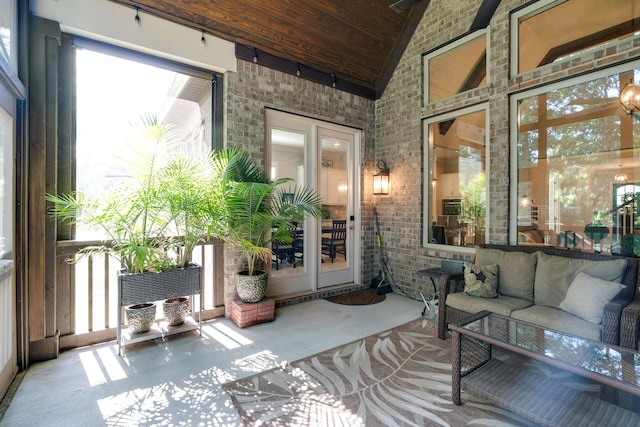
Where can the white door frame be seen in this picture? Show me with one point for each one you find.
(310, 279)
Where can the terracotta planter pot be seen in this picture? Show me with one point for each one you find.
(140, 317)
(251, 288)
(175, 310)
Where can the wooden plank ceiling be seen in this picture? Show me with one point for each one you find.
(357, 41)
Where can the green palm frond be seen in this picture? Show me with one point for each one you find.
(172, 200)
(161, 210)
(474, 197)
(256, 211)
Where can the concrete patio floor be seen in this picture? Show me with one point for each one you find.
(178, 381)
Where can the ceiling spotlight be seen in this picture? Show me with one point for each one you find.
(203, 41)
(137, 17)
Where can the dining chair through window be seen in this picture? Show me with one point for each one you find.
(336, 243)
(298, 246)
(284, 252)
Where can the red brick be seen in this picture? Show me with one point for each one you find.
(246, 314)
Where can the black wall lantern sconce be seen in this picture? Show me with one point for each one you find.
(381, 179)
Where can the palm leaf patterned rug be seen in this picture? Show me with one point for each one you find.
(401, 377)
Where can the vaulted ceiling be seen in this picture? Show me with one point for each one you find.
(357, 41)
(353, 45)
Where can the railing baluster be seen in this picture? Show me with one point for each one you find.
(105, 283)
(90, 293)
(205, 288)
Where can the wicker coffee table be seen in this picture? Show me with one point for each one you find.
(529, 393)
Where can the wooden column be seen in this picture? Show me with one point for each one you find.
(44, 42)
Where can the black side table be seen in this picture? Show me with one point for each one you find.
(442, 279)
(434, 275)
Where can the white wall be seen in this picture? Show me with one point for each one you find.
(112, 23)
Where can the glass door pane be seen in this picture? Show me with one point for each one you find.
(336, 248)
(319, 156)
(333, 189)
(287, 161)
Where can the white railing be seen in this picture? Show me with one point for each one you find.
(8, 357)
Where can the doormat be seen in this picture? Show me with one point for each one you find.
(362, 297)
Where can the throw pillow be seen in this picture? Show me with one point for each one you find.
(554, 274)
(481, 280)
(516, 270)
(587, 296)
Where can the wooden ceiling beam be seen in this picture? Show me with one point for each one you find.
(412, 22)
(280, 64)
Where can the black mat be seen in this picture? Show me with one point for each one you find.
(360, 297)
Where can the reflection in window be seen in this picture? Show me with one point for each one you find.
(456, 68)
(578, 155)
(552, 31)
(457, 196)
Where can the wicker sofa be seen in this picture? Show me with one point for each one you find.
(630, 338)
(533, 281)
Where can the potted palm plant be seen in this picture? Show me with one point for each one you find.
(153, 220)
(256, 211)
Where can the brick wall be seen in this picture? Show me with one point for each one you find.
(399, 129)
(393, 131)
(255, 87)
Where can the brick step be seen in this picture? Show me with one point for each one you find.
(246, 314)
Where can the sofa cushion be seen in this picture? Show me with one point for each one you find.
(554, 275)
(516, 271)
(554, 318)
(502, 305)
(481, 280)
(588, 295)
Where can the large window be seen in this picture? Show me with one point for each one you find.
(457, 67)
(456, 201)
(577, 165)
(549, 31)
(113, 95)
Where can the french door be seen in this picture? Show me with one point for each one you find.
(321, 156)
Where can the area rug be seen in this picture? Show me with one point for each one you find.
(361, 297)
(400, 377)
